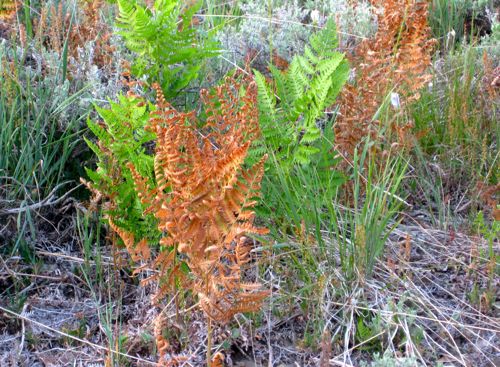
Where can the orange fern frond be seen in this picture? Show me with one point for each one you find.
(395, 60)
(165, 356)
(204, 197)
(217, 360)
(8, 9)
(138, 251)
(161, 343)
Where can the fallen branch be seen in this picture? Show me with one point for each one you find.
(50, 200)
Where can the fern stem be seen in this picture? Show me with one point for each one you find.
(209, 341)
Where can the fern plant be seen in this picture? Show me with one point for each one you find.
(194, 197)
(395, 60)
(292, 106)
(8, 9)
(296, 132)
(168, 49)
(122, 139)
(202, 197)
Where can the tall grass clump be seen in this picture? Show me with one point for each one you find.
(456, 122)
(314, 206)
(447, 20)
(363, 231)
(461, 136)
(34, 150)
(463, 123)
(325, 240)
(454, 21)
(40, 131)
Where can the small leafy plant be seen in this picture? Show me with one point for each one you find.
(122, 139)
(168, 49)
(293, 104)
(194, 197)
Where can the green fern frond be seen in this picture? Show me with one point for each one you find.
(309, 86)
(169, 52)
(266, 99)
(121, 140)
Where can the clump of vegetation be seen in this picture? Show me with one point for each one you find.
(168, 49)
(194, 191)
(329, 198)
(292, 107)
(122, 140)
(394, 64)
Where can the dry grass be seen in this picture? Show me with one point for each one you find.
(57, 26)
(427, 280)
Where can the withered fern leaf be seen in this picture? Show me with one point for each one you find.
(203, 197)
(395, 60)
(8, 9)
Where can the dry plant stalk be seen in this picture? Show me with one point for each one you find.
(89, 29)
(488, 97)
(52, 34)
(326, 349)
(396, 60)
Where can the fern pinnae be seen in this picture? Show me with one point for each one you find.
(8, 9)
(168, 53)
(304, 92)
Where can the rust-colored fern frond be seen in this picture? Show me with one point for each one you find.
(217, 360)
(162, 344)
(204, 197)
(8, 9)
(55, 24)
(166, 358)
(395, 60)
(138, 250)
(93, 29)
